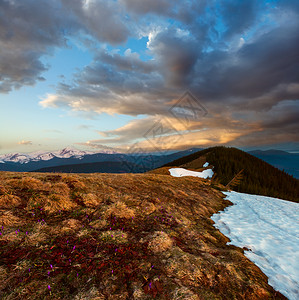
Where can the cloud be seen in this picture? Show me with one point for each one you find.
(159, 133)
(239, 57)
(104, 20)
(257, 75)
(53, 131)
(113, 84)
(130, 61)
(25, 142)
(276, 126)
(30, 30)
(148, 6)
(176, 54)
(239, 16)
(26, 32)
(84, 127)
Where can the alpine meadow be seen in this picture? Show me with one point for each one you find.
(149, 150)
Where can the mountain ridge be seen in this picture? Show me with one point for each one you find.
(67, 152)
(289, 162)
(145, 162)
(259, 177)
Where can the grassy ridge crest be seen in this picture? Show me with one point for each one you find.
(259, 177)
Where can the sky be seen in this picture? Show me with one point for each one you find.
(150, 75)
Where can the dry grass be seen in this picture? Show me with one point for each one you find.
(160, 242)
(160, 171)
(51, 203)
(22, 265)
(30, 183)
(11, 236)
(74, 182)
(70, 225)
(114, 236)
(99, 224)
(37, 235)
(56, 202)
(9, 201)
(120, 210)
(12, 183)
(36, 201)
(152, 230)
(92, 294)
(186, 267)
(3, 189)
(183, 293)
(138, 293)
(3, 274)
(59, 188)
(7, 218)
(147, 208)
(83, 233)
(91, 200)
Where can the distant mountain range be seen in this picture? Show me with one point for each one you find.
(76, 161)
(289, 162)
(43, 156)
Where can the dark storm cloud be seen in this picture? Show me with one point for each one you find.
(126, 84)
(276, 126)
(177, 53)
(239, 16)
(256, 75)
(102, 19)
(272, 60)
(19, 68)
(148, 6)
(185, 11)
(27, 29)
(239, 57)
(283, 116)
(31, 29)
(257, 70)
(130, 62)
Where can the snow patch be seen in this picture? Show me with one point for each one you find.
(206, 165)
(180, 172)
(269, 228)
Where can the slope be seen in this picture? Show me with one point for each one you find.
(289, 162)
(96, 167)
(118, 236)
(258, 176)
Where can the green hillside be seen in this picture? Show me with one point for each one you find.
(258, 176)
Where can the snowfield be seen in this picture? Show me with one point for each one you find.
(269, 228)
(180, 172)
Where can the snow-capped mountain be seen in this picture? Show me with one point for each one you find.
(70, 159)
(70, 152)
(24, 158)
